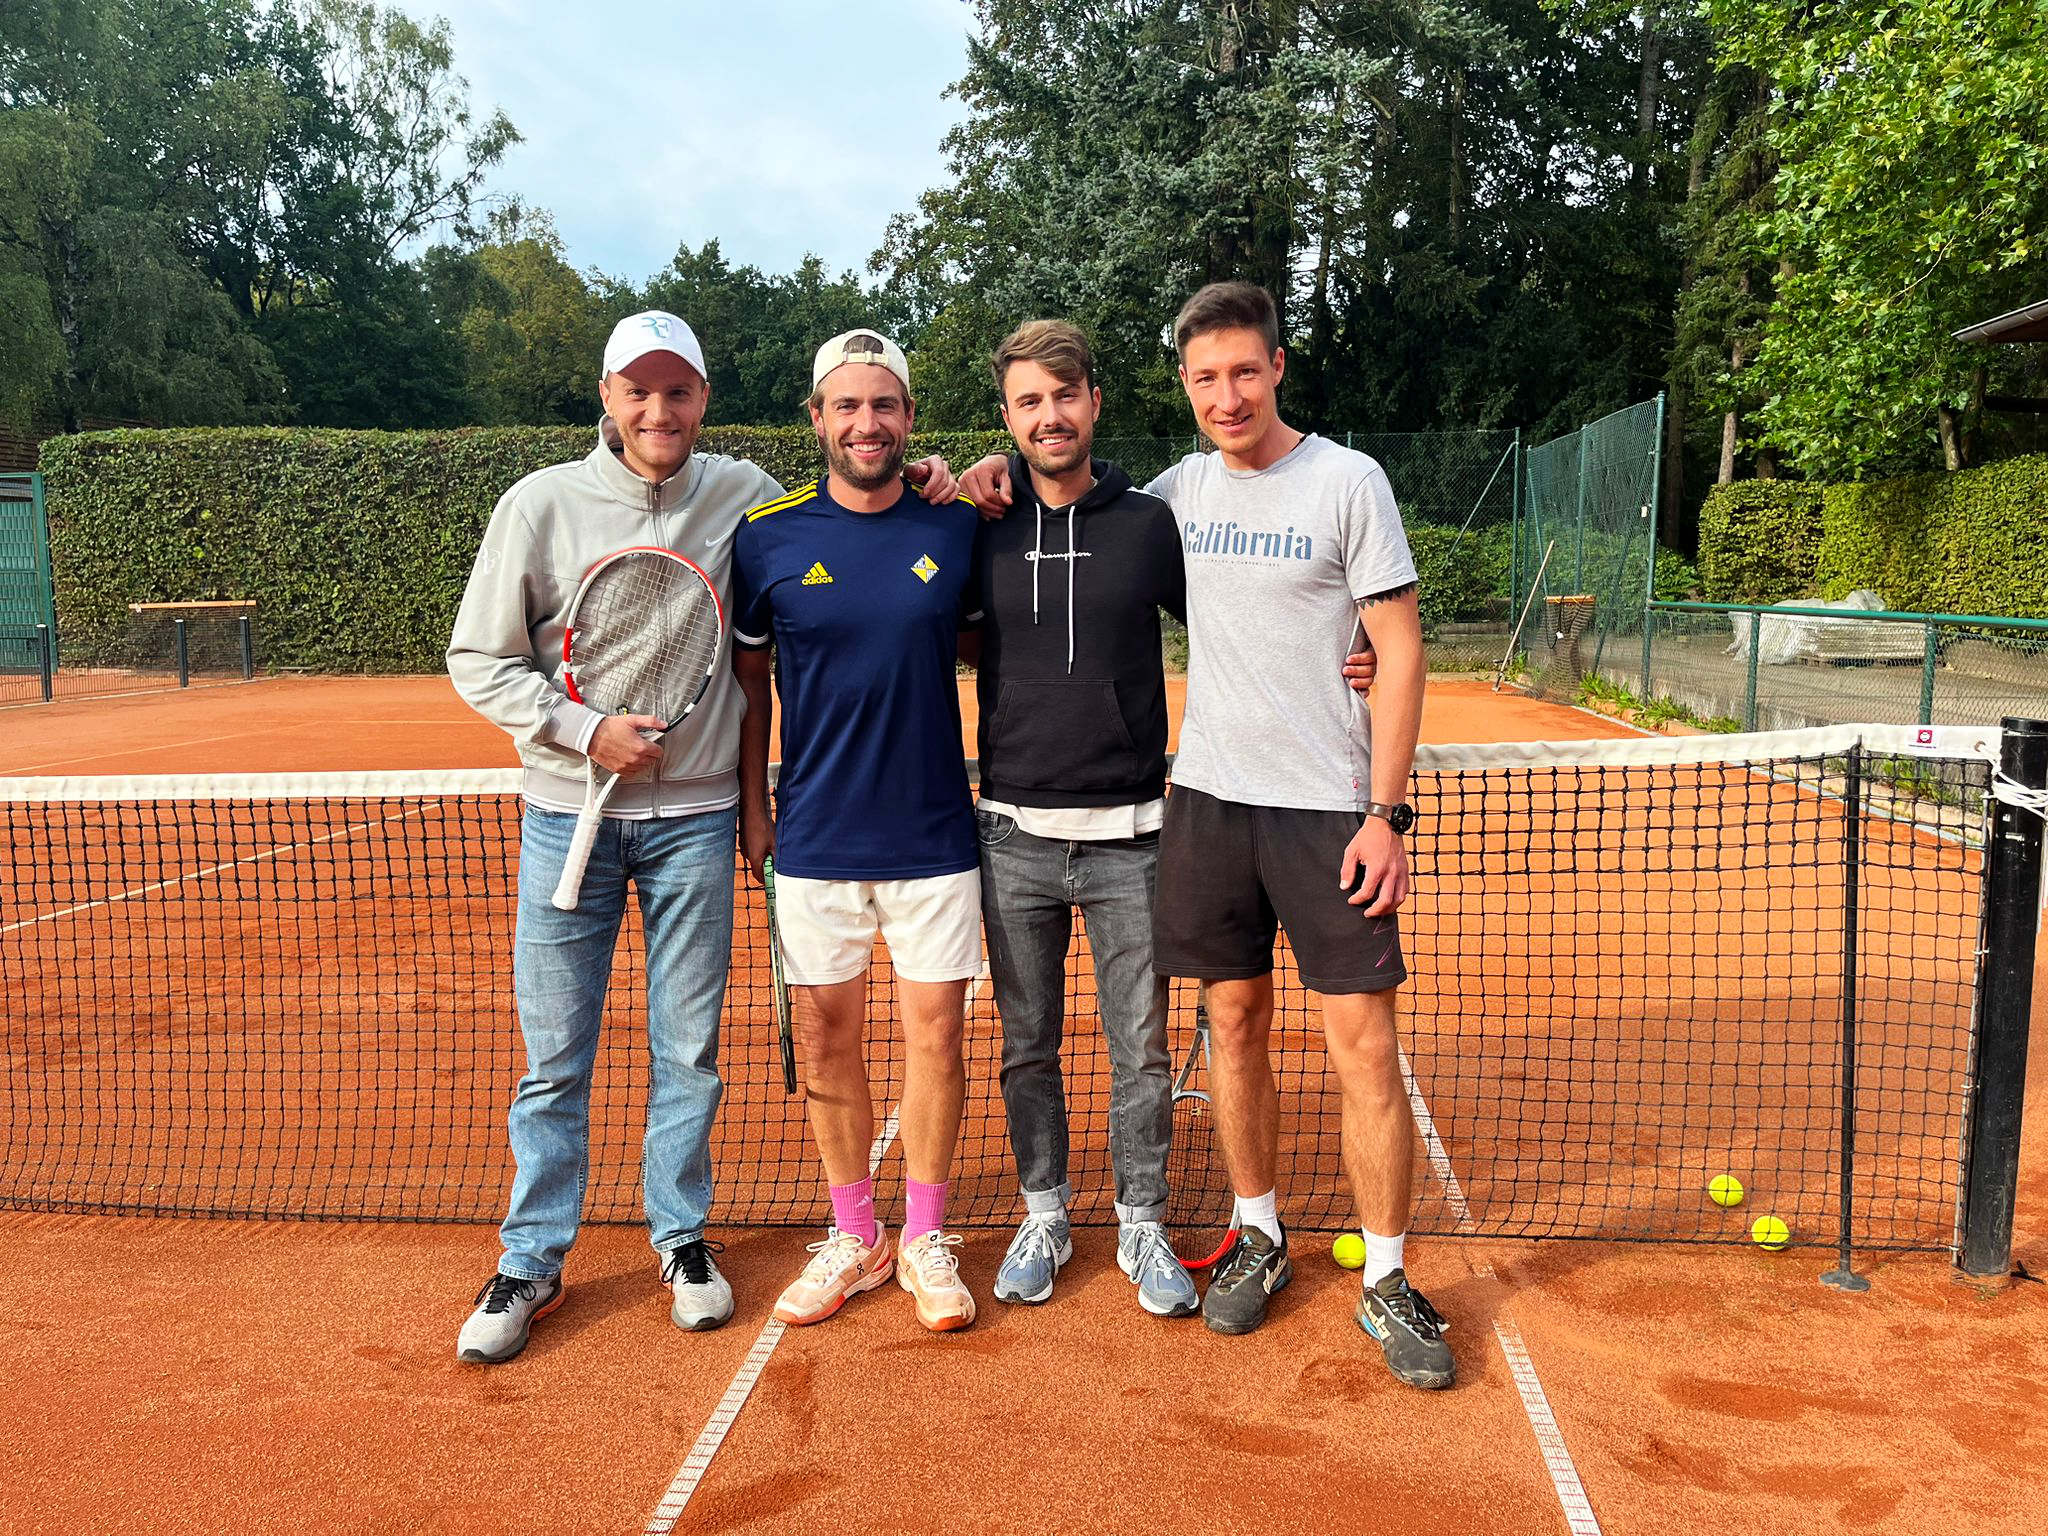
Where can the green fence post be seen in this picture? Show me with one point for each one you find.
(1579, 541)
(1515, 549)
(1756, 635)
(1650, 565)
(1927, 659)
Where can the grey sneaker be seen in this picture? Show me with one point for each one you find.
(1253, 1269)
(1410, 1331)
(505, 1311)
(1165, 1289)
(1042, 1244)
(703, 1299)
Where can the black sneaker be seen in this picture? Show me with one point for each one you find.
(1253, 1269)
(1410, 1332)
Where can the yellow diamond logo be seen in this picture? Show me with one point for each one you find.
(925, 570)
(817, 575)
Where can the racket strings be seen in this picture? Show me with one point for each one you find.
(647, 634)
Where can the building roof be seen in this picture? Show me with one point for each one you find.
(2028, 324)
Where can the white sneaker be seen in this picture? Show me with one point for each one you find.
(505, 1312)
(703, 1299)
(930, 1270)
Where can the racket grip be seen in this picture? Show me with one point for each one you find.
(570, 887)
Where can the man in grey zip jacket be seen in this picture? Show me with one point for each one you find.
(668, 831)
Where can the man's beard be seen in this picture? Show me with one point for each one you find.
(857, 475)
(1039, 458)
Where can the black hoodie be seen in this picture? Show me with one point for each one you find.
(1072, 689)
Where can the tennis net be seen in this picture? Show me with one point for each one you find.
(1636, 965)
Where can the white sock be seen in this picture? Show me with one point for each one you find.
(1261, 1211)
(1382, 1255)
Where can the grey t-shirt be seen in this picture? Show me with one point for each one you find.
(1277, 559)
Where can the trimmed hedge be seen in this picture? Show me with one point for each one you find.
(356, 545)
(1759, 541)
(1971, 542)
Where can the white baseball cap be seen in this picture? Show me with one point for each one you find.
(860, 347)
(652, 330)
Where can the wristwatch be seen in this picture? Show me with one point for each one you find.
(1400, 817)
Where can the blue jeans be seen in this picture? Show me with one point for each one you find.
(1030, 887)
(681, 868)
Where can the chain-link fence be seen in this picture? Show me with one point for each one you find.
(1789, 666)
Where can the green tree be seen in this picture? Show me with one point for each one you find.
(1911, 197)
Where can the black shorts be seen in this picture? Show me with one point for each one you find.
(1231, 876)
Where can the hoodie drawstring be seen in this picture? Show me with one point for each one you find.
(1037, 557)
(1072, 518)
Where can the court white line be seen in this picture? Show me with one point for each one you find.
(1557, 1458)
(691, 1473)
(698, 1462)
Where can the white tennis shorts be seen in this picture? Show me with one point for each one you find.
(931, 925)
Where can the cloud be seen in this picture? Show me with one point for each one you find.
(773, 126)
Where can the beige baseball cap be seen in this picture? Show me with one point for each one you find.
(652, 330)
(860, 347)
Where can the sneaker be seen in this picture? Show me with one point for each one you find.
(1165, 1289)
(841, 1266)
(703, 1299)
(1410, 1332)
(505, 1311)
(1253, 1269)
(930, 1271)
(1042, 1244)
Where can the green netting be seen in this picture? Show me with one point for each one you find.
(26, 619)
(1583, 554)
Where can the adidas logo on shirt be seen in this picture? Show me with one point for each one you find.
(817, 575)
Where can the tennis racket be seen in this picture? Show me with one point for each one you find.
(785, 1038)
(643, 638)
(1200, 1208)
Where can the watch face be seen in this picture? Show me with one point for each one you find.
(1401, 818)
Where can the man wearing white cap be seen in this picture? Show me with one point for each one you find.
(862, 589)
(668, 831)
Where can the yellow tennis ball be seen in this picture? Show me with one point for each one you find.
(1726, 1189)
(1349, 1250)
(1769, 1232)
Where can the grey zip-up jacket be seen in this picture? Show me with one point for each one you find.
(505, 656)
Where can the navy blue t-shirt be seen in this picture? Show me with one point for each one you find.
(864, 610)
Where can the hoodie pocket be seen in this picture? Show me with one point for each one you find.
(1062, 735)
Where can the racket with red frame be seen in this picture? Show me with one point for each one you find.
(644, 635)
(1200, 1208)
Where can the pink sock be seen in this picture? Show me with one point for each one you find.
(853, 1209)
(925, 1209)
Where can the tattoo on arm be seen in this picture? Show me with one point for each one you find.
(1389, 595)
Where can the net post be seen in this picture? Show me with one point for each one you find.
(46, 662)
(184, 653)
(1843, 1276)
(2005, 992)
(1929, 651)
(248, 648)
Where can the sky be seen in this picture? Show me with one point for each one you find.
(778, 127)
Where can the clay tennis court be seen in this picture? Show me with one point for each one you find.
(204, 1374)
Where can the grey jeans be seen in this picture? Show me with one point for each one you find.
(1030, 887)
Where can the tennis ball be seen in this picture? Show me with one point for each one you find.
(1769, 1232)
(1726, 1189)
(1349, 1250)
